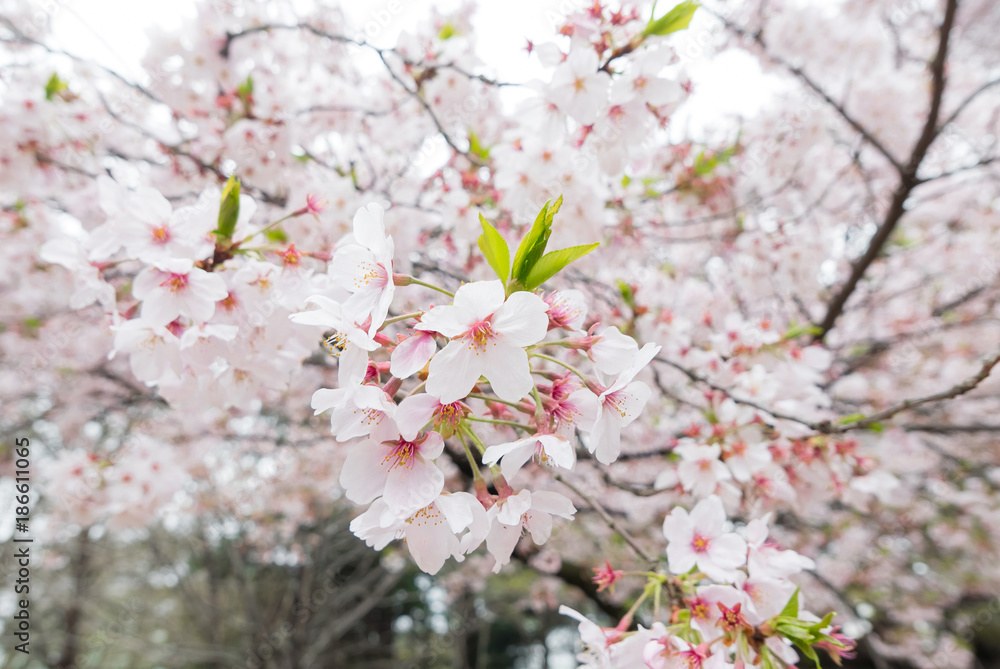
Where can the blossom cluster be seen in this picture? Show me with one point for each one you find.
(453, 369)
(734, 603)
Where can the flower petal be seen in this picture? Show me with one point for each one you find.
(409, 357)
(454, 371)
(523, 319)
(482, 298)
(506, 368)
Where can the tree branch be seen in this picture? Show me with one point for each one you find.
(908, 180)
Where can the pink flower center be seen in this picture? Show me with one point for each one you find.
(700, 544)
(616, 402)
(161, 234)
(175, 282)
(704, 465)
(480, 334)
(401, 455)
(449, 414)
(371, 273)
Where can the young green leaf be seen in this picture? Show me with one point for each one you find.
(676, 19)
(532, 247)
(495, 249)
(552, 263)
(276, 235)
(54, 86)
(808, 651)
(229, 209)
(792, 607)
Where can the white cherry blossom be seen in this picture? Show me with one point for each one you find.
(488, 335)
(698, 539)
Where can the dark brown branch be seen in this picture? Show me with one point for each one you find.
(611, 522)
(908, 180)
(816, 88)
(827, 427)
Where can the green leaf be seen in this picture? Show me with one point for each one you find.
(54, 86)
(676, 19)
(495, 249)
(276, 235)
(796, 331)
(792, 607)
(552, 263)
(808, 651)
(447, 30)
(628, 295)
(229, 209)
(246, 88)
(853, 418)
(532, 247)
(705, 164)
(476, 146)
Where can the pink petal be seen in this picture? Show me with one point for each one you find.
(410, 356)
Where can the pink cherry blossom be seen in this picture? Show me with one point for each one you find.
(488, 335)
(399, 470)
(173, 288)
(578, 88)
(616, 407)
(700, 469)
(431, 533)
(699, 540)
(364, 268)
(544, 448)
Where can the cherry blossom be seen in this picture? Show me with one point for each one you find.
(399, 470)
(578, 88)
(172, 288)
(364, 268)
(699, 540)
(488, 335)
(615, 406)
(546, 449)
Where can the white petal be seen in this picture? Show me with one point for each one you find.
(553, 503)
(414, 413)
(497, 451)
(411, 488)
(454, 371)
(327, 398)
(481, 298)
(363, 478)
(369, 228)
(510, 510)
(457, 508)
(506, 368)
(709, 516)
(449, 320)
(432, 446)
(559, 450)
(523, 319)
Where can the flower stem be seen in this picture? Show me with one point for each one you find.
(396, 319)
(475, 439)
(560, 362)
(476, 474)
(267, 227)
(406, 280)
(500, 422)
(486, 398)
